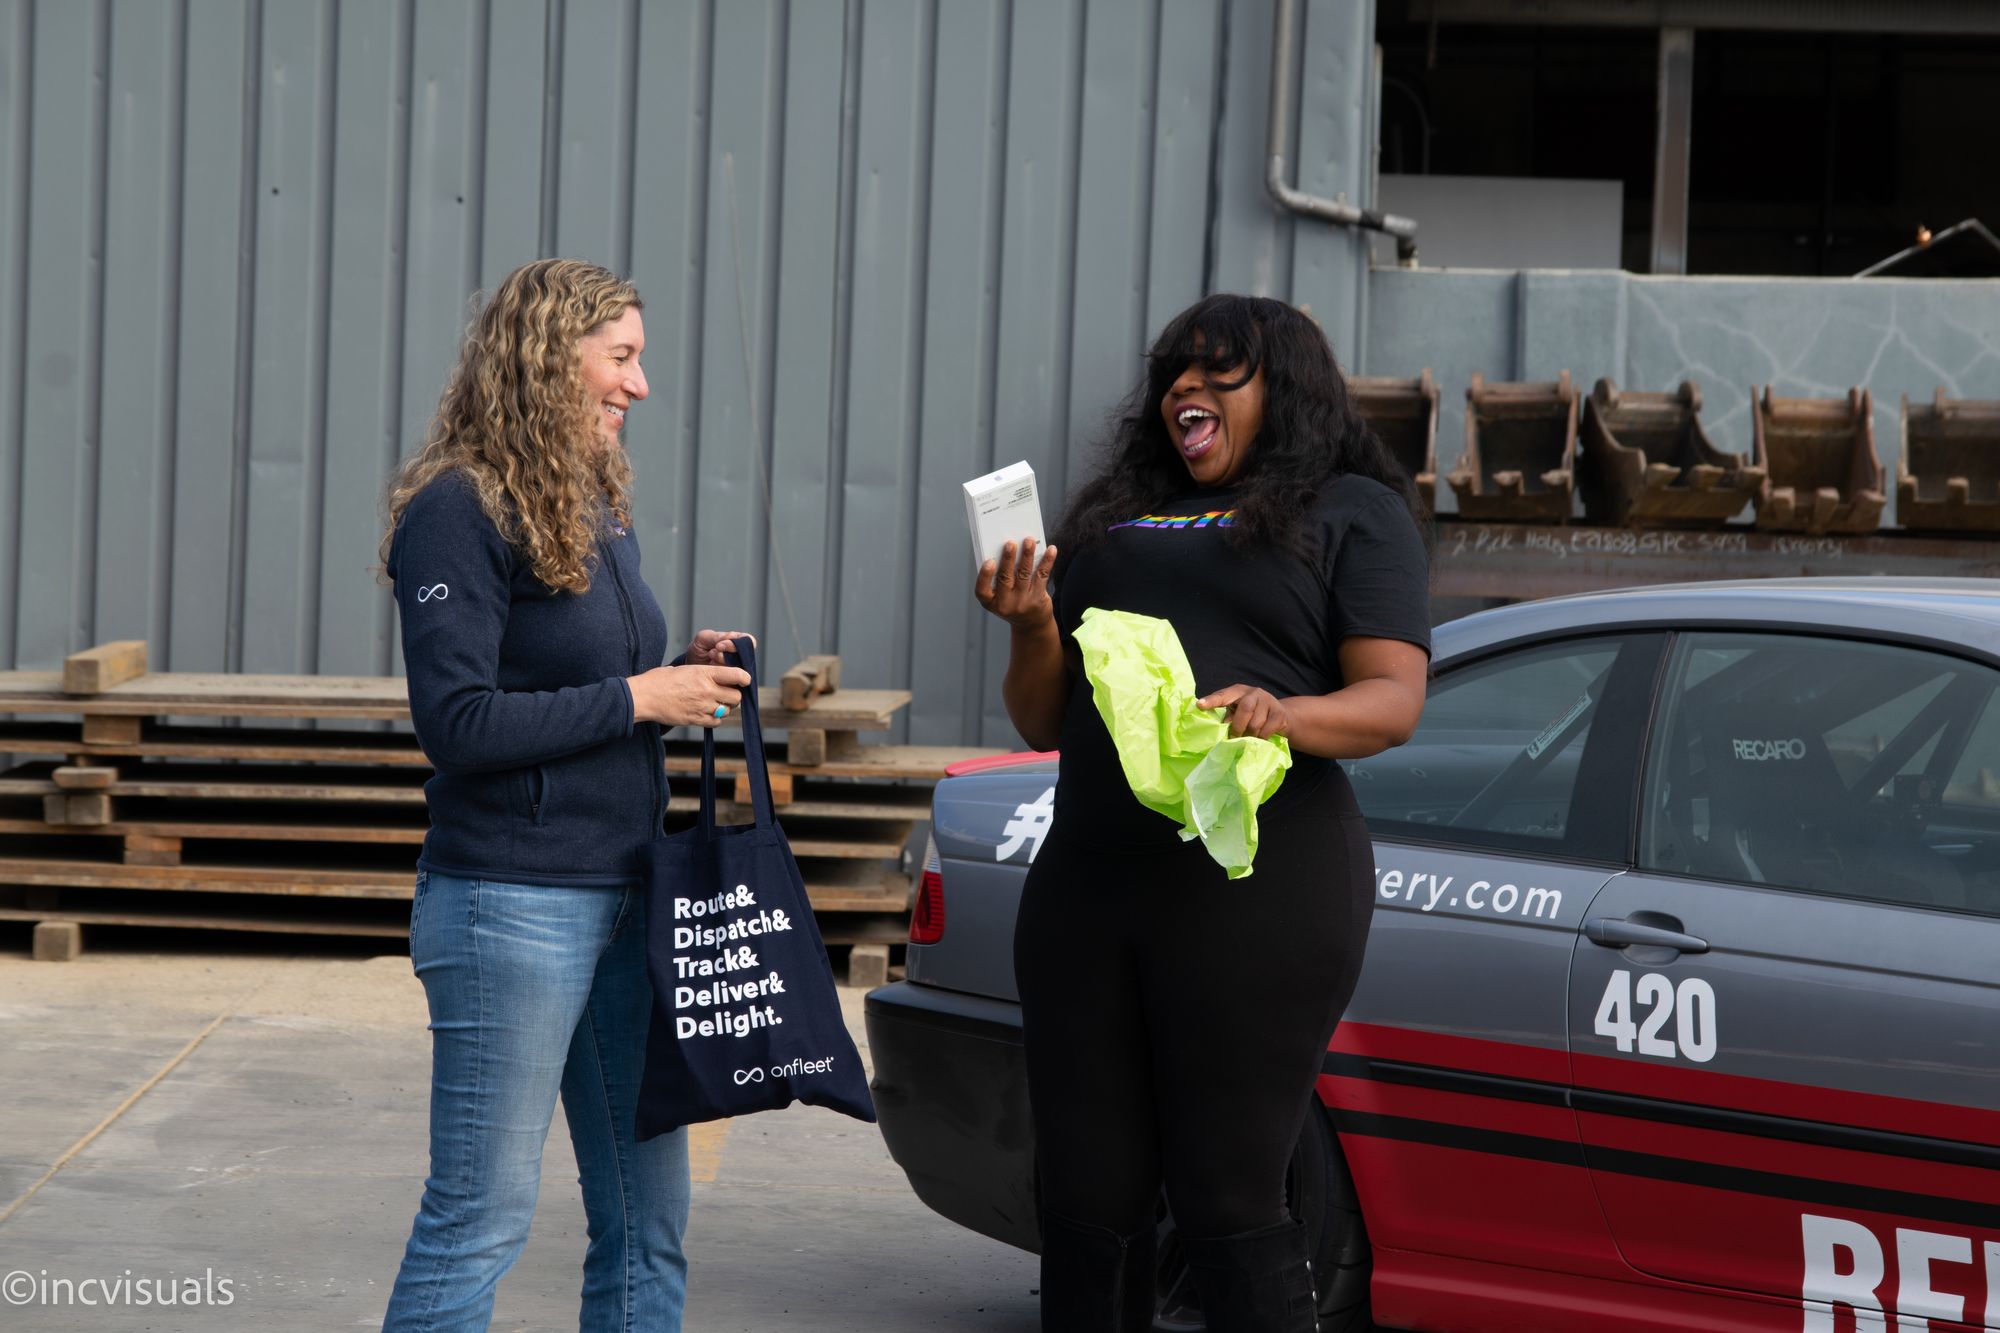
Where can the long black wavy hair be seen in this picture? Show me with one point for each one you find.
(1311, 431)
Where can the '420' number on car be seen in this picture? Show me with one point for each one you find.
(1691, 1006)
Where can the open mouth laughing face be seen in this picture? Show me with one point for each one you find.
(1213, 421)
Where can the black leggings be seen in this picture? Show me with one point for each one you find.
(1175, 1020)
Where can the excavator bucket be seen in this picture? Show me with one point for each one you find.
(1404, 416)
(1647, 463)
(1819, 458)
(1520, 452)
(1948, 474)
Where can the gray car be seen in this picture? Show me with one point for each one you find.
(1681, 1007)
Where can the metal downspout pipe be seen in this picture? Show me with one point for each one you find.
(1277, 137)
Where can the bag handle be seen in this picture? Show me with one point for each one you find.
(706, 820)
(753, 750)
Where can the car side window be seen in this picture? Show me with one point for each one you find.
(1860, 770)
(1495, 760)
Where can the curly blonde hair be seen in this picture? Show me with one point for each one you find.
(516, 421)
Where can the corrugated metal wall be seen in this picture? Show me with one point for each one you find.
(884, 244)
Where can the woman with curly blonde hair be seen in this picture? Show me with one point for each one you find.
(533, 651)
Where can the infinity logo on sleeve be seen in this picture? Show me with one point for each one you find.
(437, 590)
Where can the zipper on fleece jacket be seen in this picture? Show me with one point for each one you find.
(625, 615)
(631, 618)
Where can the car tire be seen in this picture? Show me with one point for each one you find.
(1319, 1190)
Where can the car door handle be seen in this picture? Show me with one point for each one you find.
(1617, 932)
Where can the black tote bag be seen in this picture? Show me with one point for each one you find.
(745, 1017)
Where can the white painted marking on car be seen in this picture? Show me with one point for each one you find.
(1505, 899)
(1846, 1264)
(1694, 1029)
(1028, 827)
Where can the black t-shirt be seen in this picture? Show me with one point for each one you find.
(1248, 615)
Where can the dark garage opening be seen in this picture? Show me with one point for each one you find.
(1811, 153)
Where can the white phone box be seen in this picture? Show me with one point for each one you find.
(1002, 507)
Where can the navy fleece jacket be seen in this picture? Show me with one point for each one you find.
(519, 699)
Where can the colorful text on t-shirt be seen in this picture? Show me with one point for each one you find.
(1220, 518)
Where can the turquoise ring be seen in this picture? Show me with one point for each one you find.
(721, 711)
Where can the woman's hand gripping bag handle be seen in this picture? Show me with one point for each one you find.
(745, 1016)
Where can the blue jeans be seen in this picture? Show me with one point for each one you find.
(533, 990)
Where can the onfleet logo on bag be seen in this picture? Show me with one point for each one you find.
(798, 1065)
(1760, 752)
(1935, 1275)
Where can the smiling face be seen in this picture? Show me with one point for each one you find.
(1213, 422)
(612, 378)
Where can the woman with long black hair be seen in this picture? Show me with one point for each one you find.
(1244, 500)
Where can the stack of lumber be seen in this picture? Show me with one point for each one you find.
(199, 800)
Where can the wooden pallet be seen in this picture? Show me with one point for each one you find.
(356, 698)
(861, 888)
(156, 740)
(372, 918)
(156, 841)
(164, 814)
(818, 728)
(377, 917)
(825, 726)
(125, 815)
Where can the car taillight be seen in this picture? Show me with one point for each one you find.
(927, 917)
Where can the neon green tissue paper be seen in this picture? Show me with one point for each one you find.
(1180, 759)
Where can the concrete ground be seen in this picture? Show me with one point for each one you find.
(243, 1110)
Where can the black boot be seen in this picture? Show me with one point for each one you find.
(1095, 1280)
(1256, 1282)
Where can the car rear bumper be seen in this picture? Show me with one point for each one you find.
(951, 1092)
